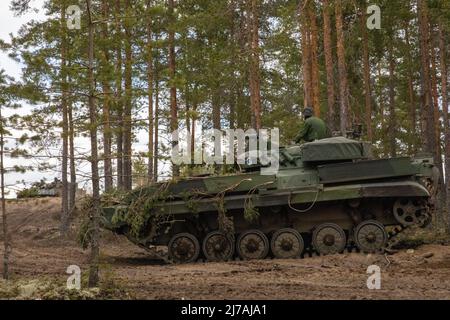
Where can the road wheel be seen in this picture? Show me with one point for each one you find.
(218, 247)
(329, 238)
(252, 244)
(184, 248)
(287, 244)
(370, 236)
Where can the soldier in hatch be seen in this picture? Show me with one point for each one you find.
(313, 129)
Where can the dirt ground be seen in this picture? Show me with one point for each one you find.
(39, 252)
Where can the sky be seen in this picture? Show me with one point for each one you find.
(10, 24)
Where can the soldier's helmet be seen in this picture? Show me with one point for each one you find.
(308, 112)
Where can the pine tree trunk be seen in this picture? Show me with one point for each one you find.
(412, 103)
(6, 236)
(392, 113)
(119, 102)
(172, 79)
(150, 93)
(367, 86)
(254, 71)
(427, 110)
(215, 102)
(436, 113)
(95, 248)
(107, 141)
(65, 127)
(127, 136)
(241, 99)
(233, 39)
(156, 145)
(314, 59)
(343, 82)
(194, 109)
(445, 110)
(306, 54)
(382, 107)
(331, 114)
(73, 174)
(72, 168)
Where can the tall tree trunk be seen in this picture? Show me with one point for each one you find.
(437, 127)
(343, 82)
(314, 59)
(436, 111)
(172, 76)
(412, 102)
(306, 53)
(65, 126)
(331, 116)
(427, 111)
(95, 247)
(119, 101)
(150, 93)
(445, 110)
(156, 145)
(235, 27)
(73, 174)
(6, 239)
(127, 143)
(392, 114)
(215, 102)
(107, 141)
(254, 71)
(232, 114)
(367, 86)
(194, 119)
(242, 42)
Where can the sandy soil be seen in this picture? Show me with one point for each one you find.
(39, 252)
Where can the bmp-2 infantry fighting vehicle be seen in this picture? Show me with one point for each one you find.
(327, 196)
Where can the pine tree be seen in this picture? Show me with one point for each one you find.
(367, 73)
(328, 51)
(254, 63)
(107, 99)
(128, 75)
(342, 67)
(306, 54)
(314, 46)
(150, 65)
(427, 111)
(65, 123)
(6, 235)
(172, 78)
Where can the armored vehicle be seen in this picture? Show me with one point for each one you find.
(327, 196)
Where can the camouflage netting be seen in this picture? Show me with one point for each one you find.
(225, 223)
(140, 214)
(251, 213)
(86, 227)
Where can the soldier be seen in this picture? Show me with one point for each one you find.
(313, 129)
